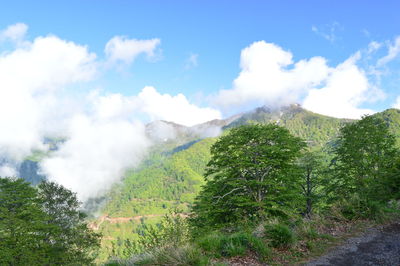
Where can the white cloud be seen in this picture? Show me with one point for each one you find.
(173, 108)
(396, 103)
(394, 50)
(122, 49)
(191, 61)
(103, 135)
(113, 106)
(373, 47)
(153, 105)
(14, 33)
(96, 155)
(269, 76)
(7, 171)
(29, 79)
(346, 88)
(328, 32)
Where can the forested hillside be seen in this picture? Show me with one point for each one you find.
(270, 197)
(172, 174)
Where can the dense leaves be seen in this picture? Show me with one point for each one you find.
(42, 227)
(22, 225)
(251, 174)
(71, 240)
(365, 162)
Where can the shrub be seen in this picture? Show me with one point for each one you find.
(306, 231)
(280, 235)
(236, 244)
(358, 208)
(183, 255)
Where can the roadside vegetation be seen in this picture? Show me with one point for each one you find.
(43, 225)
(270, 197)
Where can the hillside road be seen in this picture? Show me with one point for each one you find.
(377, 246)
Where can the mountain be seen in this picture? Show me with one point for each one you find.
(314, 128)
(172, 174)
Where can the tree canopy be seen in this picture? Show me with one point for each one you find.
(366, 158)
(251, 174)
(42, 226)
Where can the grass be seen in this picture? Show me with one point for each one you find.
(219, 245)
(273, 242)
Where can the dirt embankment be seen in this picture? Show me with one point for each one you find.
(105, 218)
(377, 246)
(113, 220)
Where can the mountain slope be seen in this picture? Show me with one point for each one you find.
(173, 173)
(316, 129)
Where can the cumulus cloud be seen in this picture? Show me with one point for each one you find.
(96, 154)
(269, 76)
(122, 49)
(173, 108)
(7, 170)
(103, 135)
(29, 79)
(346, 88)
(14, 33)
(152, 105)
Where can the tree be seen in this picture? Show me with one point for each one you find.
(365, 158)
(42, 227)
(251, 174)
(312, 176)
(71, 241)
(22, 226)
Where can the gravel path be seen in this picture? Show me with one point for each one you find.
(378, 246)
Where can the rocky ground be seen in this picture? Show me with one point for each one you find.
(377, 246)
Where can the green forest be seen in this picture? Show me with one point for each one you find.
(272, 188)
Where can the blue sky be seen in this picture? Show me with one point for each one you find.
(216, 31)
(95, 72)
(201, 41)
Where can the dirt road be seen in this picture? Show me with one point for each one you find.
(378, 246)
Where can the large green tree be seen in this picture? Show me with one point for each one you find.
(70, 239)
(22, 226)
(252, 174)
(365, 162)
(42, 226)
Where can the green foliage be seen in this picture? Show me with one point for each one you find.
(163, 180)
(357, 207)
(22, 225)
(365, 160)
(316, 129)
(251, 174)
(280, 235)
(71, 240)
(182, 255)
(172, 231)
(217, 244)
(313, 171)
(172, 174)
(42, 228)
